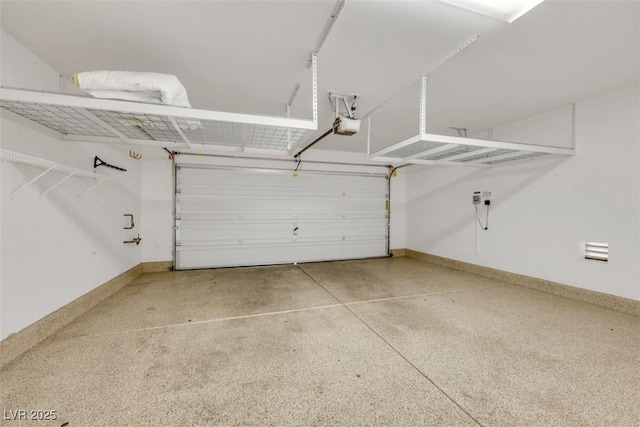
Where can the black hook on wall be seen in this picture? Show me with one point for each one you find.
(97, 161)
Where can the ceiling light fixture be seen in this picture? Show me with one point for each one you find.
(505, 10)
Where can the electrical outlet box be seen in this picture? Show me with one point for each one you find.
(486, 197)
(477, 198)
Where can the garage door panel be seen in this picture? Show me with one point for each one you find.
(212, 232)
(285, 253)
(227, 217)
(283, 193)
(206, 217)
(284, 203)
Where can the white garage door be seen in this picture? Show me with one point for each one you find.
(228, 216)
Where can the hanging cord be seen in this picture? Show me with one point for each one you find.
(299, 162)
(486, 226)
(486, 223)
(392, 172)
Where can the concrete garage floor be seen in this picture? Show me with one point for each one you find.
(375, 342)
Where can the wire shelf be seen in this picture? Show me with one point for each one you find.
(452, 151)
(485, 155)
(49, 166)
(520, 156)
(64, 120)
(100, 120)
(433, 149)
(24, 159)
(413, 149)
(430, 149)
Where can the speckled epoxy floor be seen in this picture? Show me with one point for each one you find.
(375, 342)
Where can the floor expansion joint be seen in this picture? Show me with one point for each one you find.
(395, 350)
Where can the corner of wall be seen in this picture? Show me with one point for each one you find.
(17, 343)
(57, 247)
(543, 211)
(613, 302)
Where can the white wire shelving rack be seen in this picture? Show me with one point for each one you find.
(87, 119)
(434, 149)
(49, 167)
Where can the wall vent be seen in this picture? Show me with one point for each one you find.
(596, 251)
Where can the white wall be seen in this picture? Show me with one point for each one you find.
(542, 212)
(157, 194)
(57, 247)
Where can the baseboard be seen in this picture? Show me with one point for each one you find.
(613, 302)
(399, 252)
(157, 266)
(16, 344)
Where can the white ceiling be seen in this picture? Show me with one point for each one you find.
(247, 56)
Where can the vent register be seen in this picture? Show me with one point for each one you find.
(596, 251)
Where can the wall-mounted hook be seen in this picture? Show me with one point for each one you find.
(131, 224)
(97, 161)
(135, 155)
(135, 240)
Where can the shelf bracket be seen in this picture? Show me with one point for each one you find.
(423, 104)
(58, 183)
(104, 125)
(26, 184)
(314, 87)
(180, 132)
